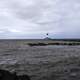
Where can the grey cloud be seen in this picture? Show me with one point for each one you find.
(21, 17)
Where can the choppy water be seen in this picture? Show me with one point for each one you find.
(40, 62)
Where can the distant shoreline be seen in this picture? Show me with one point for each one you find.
(43, 42)
(46, 39)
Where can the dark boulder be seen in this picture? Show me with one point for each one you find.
(6, 75)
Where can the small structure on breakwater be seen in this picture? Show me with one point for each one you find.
(47, 37)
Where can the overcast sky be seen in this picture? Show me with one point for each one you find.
(34, 18)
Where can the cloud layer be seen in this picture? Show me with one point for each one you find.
(34, 18)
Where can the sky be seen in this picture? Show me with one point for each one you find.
(26, 19)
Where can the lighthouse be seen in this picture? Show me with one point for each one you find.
(47, 36)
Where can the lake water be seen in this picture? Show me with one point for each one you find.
(40, 62)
